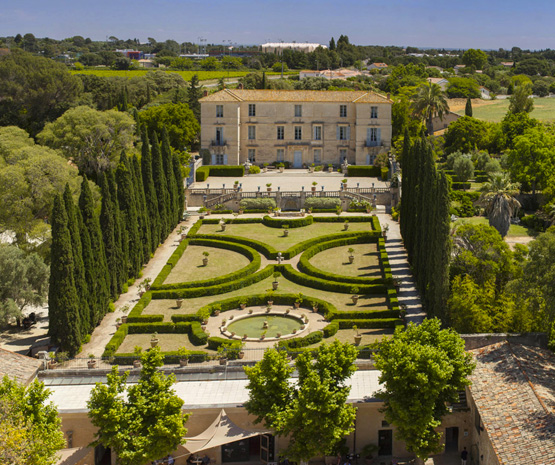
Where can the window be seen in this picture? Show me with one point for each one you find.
(219, 136)
(373, 112)
(373, 137)
(298, 111)
(317, 156)
(252, 155)
(252, 133)
(298, 132)
(342, 155)
(219, 111)
(219, 159)
(343, 111)
(317, 133)
(280, 155)
(343, 133)
(252, 109)
(281, 132)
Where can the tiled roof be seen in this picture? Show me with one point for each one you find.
(243, 95)
(17, 366)
(513, 387)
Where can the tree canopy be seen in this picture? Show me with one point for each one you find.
(422, 370)
(145, 424)
(476, 58)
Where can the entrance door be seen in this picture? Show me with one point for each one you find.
(102, 456)
(267, 446)
(385, 442)
(298, 159)
(451, 439)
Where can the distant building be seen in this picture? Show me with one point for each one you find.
(279, 47)
(484, 93)
(441, 82)
(342, 73)
(507, 64)
(458, 67)
(131, 54)
(19, 367)
(300, 127)
(146, 63)
(439, 125)
(377, 66)
(438, 68)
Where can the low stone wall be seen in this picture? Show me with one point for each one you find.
(476, 341)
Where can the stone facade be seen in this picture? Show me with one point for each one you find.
(299, 127)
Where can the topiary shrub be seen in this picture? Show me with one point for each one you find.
(263, 203)
(364, 171)
(322, 203)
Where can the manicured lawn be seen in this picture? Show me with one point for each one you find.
(220, 262)
(275, 237)
(168, 342)
(544, 110)
(515, 230)
(336, 260)
(348, 335)
(341, 301)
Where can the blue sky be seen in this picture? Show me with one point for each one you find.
(487, 24)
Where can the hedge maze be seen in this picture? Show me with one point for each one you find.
(178, 311)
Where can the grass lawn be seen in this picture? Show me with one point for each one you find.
(168, 342)
(341, 301)
(495, 110)
(348, 335)
(515, 230)
(275, 237)
(220, 262)
(366, 263)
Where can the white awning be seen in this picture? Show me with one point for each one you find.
(221, 431)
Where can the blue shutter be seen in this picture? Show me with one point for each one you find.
(348, 132)
(213, 159)
(337, 132)
(225, 159)
(367, 158)
(379, 137)
(368, 136)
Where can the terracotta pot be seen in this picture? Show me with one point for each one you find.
(358, 338)
(223, 361)
(297, 304)
(241, 354)
(286, 232)
(154, 342)
(205, 261)
(124, 319)
(91, 364)
(275, 285)
(183, 362)
(354, 299)
(136, 364)
(313, 188)
(216, 312)
(222, 226)
(243, 306)
(351, 258)
(178, 303)
(345, 227)
(315, 309)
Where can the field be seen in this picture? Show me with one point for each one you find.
(186, 75)
(515, 230)
(495, 110)
(187, 289)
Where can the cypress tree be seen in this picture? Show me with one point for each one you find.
(89, 263)
(173, 207)
(120, 234)
(194, 93)
(100, 293)
(81, 286)
(150, 192)
(264, 83)
(63, 301)
(180, 188)
(406, 182)
(161, 187)
(468, 107)
(142, 216)
(107, 226)
(128, 208)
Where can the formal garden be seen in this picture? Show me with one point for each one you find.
(234, 288)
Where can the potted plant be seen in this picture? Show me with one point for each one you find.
(277, 211)
(265, 167)
(222, 356)
(358, 336)
(62, 357)
(216, 309)
(236, 185)
(275, 283)
(243, 303)
(385, 230)
(92, 361)
(314, 307)
(314, 184)
(146, 283)
(368, 452)
(354, 296)
(344, 183)
(205, 259)
(287, 311)
(124, 309)
(351, 256)
(285, 230)
(137, 351)
(231, 317)
(281, 167)
(179, 302)
(154, 340)
(183, 355)
(309, 209)
(118, 323)
(330, 168)
(269, 304)
(222, 225)
(346, 225)
(241, 211)
(305, 318)
(298, 300)
(269, 186)
(311, 168)
(338, 210)
(250, 311)
(203, 315)
(52, 362)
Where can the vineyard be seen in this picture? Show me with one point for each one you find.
(186, 75)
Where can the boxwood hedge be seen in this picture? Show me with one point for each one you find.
(367, 171)
(291, 222)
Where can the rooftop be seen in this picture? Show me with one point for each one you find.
(17, 366)
(513, 387)
(243, 95)
(204, 393)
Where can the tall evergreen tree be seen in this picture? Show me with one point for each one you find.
(107, 226)
(89, 264)
(120, 233)
(100, 295)
(194, 93)
(468, 107)
(63, 302)
(81, 285)
(150, 192)
(142, 216)
(128, 208)
(172, 207)
(180, 188)
(161, 187)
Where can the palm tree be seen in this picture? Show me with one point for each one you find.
(498, 199)
(429, 101)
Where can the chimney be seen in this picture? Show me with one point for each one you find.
(388, 96)
(205, 93)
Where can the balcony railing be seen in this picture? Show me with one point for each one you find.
(372, 143)
(218, 143)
